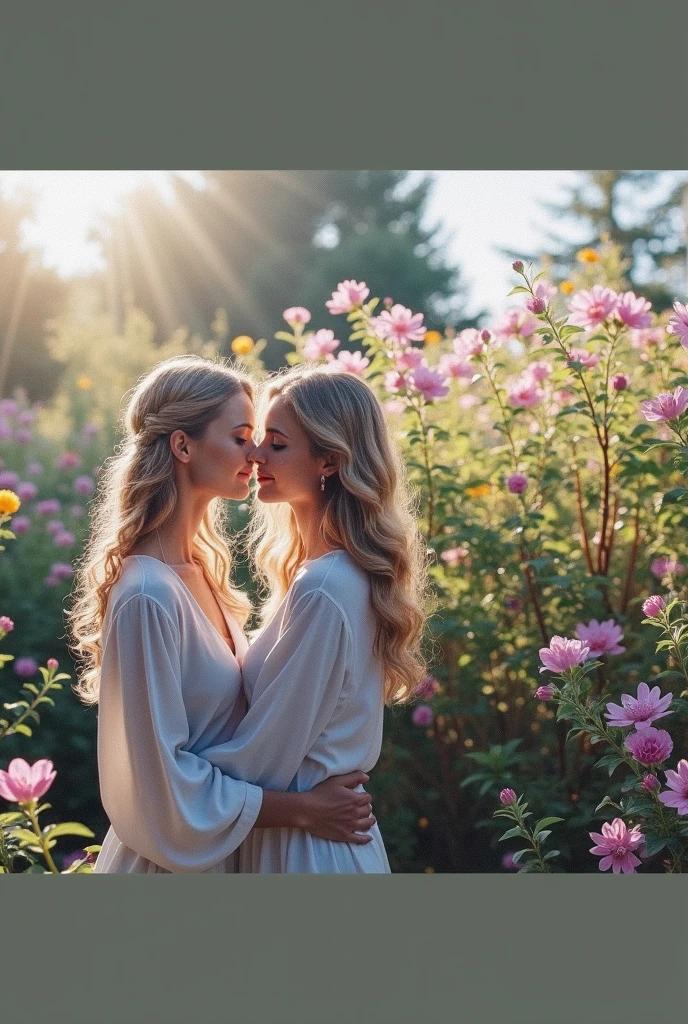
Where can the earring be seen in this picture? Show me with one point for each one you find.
(322, 483)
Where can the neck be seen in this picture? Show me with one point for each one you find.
(178, 532)
(309, 521)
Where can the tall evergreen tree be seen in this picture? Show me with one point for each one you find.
(30, 296)
(255, 242)
(652, 236)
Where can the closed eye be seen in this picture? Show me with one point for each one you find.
(277, 447)
(241, 440)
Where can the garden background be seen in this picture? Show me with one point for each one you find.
(535, 521)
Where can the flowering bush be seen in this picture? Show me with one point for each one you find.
(546, 508)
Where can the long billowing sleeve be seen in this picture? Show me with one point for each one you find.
(295, 696)
(164, 802)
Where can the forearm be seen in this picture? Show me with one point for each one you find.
(283, 810)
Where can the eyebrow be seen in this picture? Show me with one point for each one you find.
(240, 426)
(274, 430)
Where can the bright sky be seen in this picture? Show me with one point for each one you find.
(481, 210)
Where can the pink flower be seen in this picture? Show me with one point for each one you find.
(400, 325)
(351, 362)
(52, 664)
(616, 846)
(296, 316)
(5, 430)
(590, 309)
(640, 711)
(76, 511)
(508, 862)
(517, 265)
(408, 359)
(6, 624)
(562, 654)
(601, 637)
(68, 460)
(317, 346)
(468, 401)
(23, 782)
(22, 435)
(653, 606)
(517, 483)
(65, 539)
(455, 366)
(507, 797)
(678, 782)
(34, 468)
(91, 429)
(394, 406)
(54, 526)
(49, 507)
(26, 417)
(26, 491)
(428, 687)
(646, 337)
(514, 325)
(536, 305)
(649, 745)
(544, 692)
(453, 556)
(470, 342)
(9, 479)
(485, 336)
(21, 525)
(84, 485)
(429, 383)
(650, 783)
(581, 355)
(524, 393)
(620, 381)
(8, 407)
(634, 310)
(666, 406)
(51, 581)
(61, 570)
(666, 566)
(25, 667)
(678, 324)
(348, 295)
(422, 715)
(538, 371)
(394, 381)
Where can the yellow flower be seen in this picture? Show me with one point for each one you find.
(9, 502)
(423, 823)
(432, 338)
(478, 492)
(429, 871)
(84, 383)
(242, 345)
(615, 470)
(587, 256)
(566, 287)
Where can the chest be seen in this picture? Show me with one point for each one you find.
(207, 602)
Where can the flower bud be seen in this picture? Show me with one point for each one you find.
(52, 664)
(507, 797)
(485, 335)
(620, 381)
(517, 265)
(653, 606)
(544, 692)
(536, 304)
(650, 783)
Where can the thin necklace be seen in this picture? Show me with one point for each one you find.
(191, 565)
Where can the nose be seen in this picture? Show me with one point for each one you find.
(255, 455)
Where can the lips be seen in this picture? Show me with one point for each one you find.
(262, 477)
(249, 473)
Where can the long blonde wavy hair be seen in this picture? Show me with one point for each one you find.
(137, 494)
(367, 511)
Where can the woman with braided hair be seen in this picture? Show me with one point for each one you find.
(157, 628)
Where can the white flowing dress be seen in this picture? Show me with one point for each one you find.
(170, 686)
(315, 695)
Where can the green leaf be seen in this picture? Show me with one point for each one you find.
(523, 853)
(550, 854)
(10, 817)
(67, 828)
(654, 843)
(541, 836)
(518, 831)
(608, 802)
(610, 761)
(23, 729)
(24, 836)
(544, 822)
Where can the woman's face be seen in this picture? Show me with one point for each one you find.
(216, 464)
(287, 469)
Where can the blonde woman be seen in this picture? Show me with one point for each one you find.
(158, 631)
(340, 552)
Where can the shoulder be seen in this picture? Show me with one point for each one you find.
(145, 583)
(337, 579)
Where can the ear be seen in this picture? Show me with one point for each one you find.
(179, 445)
(331, 464)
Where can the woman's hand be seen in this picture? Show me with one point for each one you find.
(334, 811)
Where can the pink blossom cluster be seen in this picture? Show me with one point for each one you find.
(347, 296)
(59, 571)
(601, 637)
(590, 309)
(23, 782)
(399, 325)
(68, 460)
(318, 346)
(515, 325)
